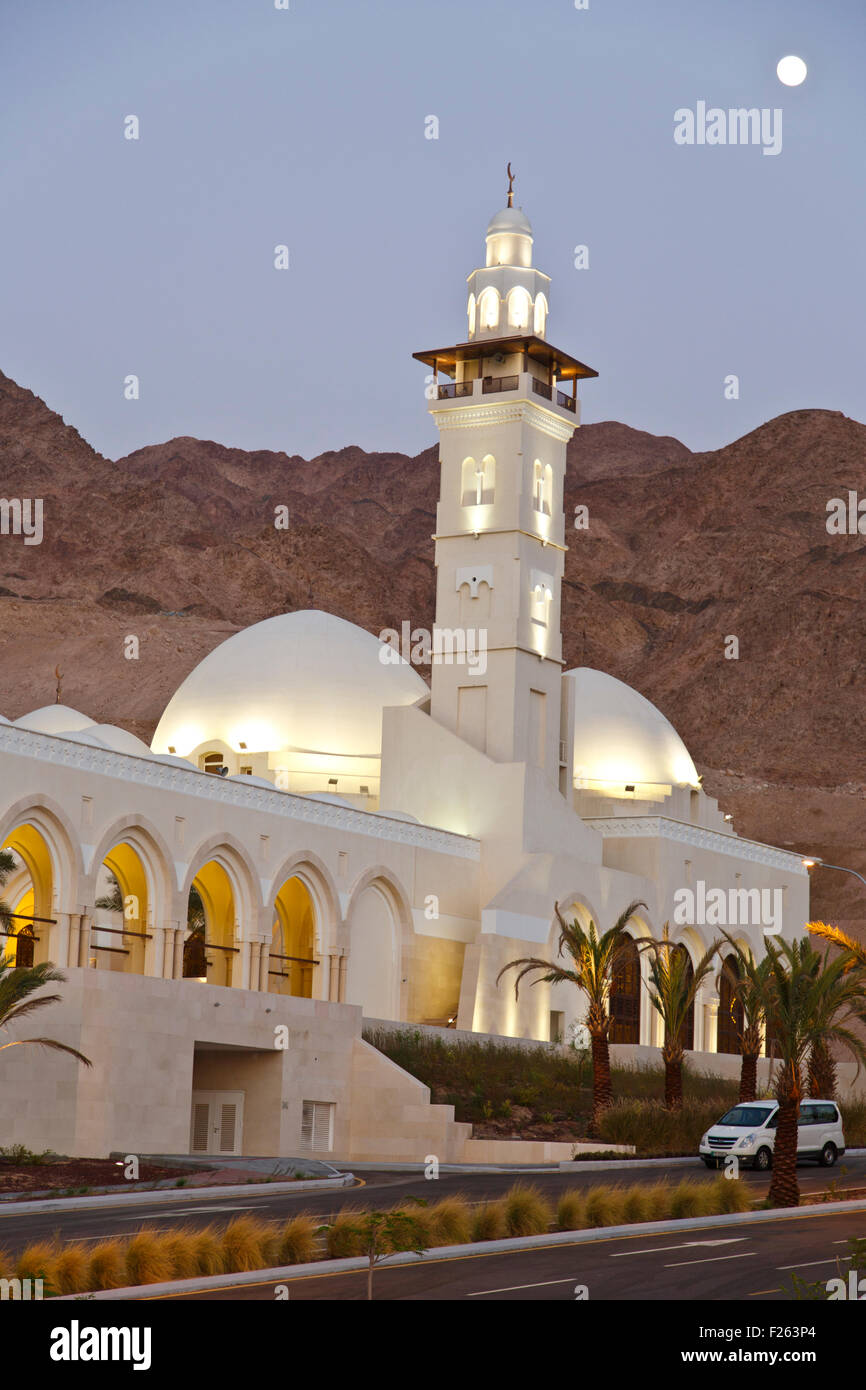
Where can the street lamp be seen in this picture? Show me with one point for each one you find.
(813, 863)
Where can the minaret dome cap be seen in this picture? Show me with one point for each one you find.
(512, 220)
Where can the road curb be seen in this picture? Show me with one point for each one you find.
(443, 1252)
(173, 1194)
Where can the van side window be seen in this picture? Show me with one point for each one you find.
(826, 1114)
(808, 1115)
(773, 1121)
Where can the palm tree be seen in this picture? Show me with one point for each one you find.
(749, 988)
(113, 900)
(16, 986)
(822, 1067)
(673, 986)
(594, 960)
(810, 999)
(837, 937)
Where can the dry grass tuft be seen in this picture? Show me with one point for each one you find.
(527, 1211)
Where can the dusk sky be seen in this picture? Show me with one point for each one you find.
(306, 127)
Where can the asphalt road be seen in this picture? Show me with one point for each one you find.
(376, 1189)
(717, 1264)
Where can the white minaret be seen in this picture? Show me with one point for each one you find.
(500, 534)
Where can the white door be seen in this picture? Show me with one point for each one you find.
(217, 1121)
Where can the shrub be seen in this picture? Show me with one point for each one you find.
(107, 1266)
(637, 1205)
(147, 1260)
(451, 1221)
(570, 1214)
(37, 1261)
(207, 1250)
(246, 1244)
(297, 1241)
(691, 1198)
(527, 1211)
(180, 1249)
(730, 1195)
(658, 1200)
(604, 1206)
(488, 1221)
(72, 1268)
(343, 1234)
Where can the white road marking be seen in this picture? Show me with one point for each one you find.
(713, 1259)
(178, 1211)
(685, 1245)
(807, 1264)
(512, 1288)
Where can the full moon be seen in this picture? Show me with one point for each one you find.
(791, 71)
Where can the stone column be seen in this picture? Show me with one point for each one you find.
(264, 965)
(711, 1024)
(60, 938)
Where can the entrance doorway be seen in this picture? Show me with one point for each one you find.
(217, 1122)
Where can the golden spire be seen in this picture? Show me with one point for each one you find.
(510, 186)
(59, 690)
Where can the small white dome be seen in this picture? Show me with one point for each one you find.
(54, 719)
(399, 815)
(512, 220)
(252, 781)
(174, 761)
(120, 740)
(4, 720)
(305, 681)
(620, 737)
(330, 797)
(88, 736)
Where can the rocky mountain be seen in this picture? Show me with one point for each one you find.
(683, 553)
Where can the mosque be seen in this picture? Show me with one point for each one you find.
(317, 836)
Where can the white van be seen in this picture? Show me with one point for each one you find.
(749, 1132)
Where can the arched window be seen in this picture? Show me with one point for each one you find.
(471, 313)
(625, 996)
(542, 597)
(478, 481)
(540, 315)
(488, 308)
(730, 1026)
(519, 307)
(213, 762)
(542, 487)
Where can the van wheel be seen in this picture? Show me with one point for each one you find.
(763, 1159)
(829, 1154)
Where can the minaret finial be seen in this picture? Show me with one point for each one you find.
(510, 186)
(59, 690)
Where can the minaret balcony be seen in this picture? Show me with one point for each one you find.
(497, 385)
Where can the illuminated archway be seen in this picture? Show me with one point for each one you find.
(28, 942)
(210, 949)
(122, 945)
(293, 942)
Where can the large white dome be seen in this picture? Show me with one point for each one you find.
(306, 681)
(619, 737)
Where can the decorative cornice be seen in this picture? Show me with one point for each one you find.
(127, 767)
(663, 828)
(477, 416)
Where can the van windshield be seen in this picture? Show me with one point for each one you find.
(746, 1116)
